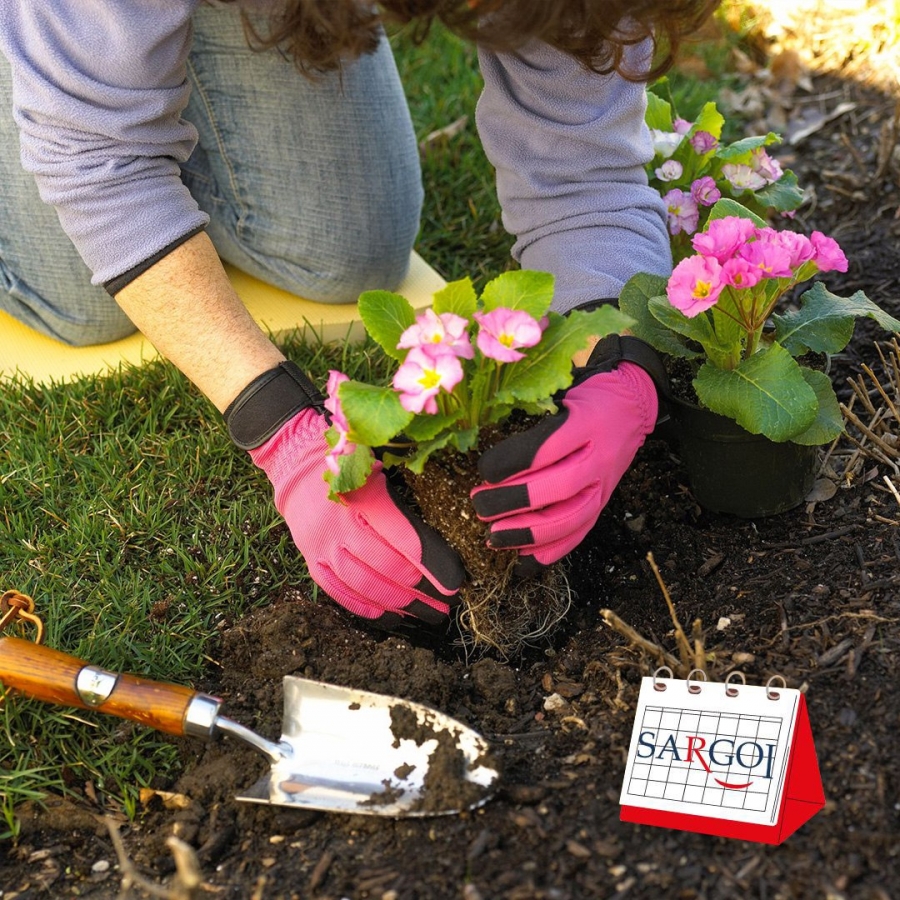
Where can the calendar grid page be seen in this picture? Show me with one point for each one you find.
(708, 754)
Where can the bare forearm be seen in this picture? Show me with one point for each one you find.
(187, 308)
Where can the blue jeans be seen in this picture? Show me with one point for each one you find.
(313, 186)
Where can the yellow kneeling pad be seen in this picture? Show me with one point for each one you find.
(42, 359)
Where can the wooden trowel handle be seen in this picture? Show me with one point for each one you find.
(55, 677)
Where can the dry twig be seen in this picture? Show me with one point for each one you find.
(688, 658)
(877, 423)
(187, 884)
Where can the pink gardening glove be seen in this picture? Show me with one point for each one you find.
(368, 553)
(547, 486)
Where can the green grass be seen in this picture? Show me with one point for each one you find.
(139, 529)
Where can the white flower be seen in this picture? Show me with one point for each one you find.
(665, 143)
(743, 177)
(670, 170)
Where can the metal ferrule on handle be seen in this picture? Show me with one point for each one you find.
(54, 677)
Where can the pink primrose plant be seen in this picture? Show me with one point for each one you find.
(446, 331)
(466, 362)
(695, 285)
(720, 308)
(342, 446)
(670, 170)
(704, 191)
(719, 311)
(682, 211)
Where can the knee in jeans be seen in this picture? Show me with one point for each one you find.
(335, 272)
(81, 317)
(90, 332)
(355, 273)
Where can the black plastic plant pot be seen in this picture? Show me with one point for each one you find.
(733, 471)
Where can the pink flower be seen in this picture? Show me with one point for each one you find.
(682, 212)
(333, 403)
(502, 331)
(723, 237)
(344, 445)
(769, 257)
(446, 330)
(681, 126)
(765, 166)
(827, 255)
(695, 285)
(703, 142)
(742, 177)
(426, 370)
(799, 247)
(670, 170)
(704, 191)
(739, 273)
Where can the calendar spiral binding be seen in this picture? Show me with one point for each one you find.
(730, 691)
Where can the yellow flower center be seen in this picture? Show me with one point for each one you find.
(430, 378)
(506, 339)
(702, 290)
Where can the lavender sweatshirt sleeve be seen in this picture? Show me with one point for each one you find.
(98, 91)
(569, 148)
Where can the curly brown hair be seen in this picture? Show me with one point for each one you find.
(320, 34)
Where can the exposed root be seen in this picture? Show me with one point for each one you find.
(512, 614)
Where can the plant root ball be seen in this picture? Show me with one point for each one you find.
(498, 610)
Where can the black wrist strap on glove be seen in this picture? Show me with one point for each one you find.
(614, 349)
(272, 398)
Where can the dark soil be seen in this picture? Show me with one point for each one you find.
(813, 594)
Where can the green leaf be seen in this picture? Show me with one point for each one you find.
(727, 207)
(547, 367)
(699, 328)
(457, 297)
(465, 439)
(824, 323)
(353, 471)
(425, 428)
(635, 302)
(659, 113)
(386, 316)
(710, 119)
(781, 195)
(766, 394)
(606, 319)
(829, 421)
(373, 413)
(740, 150)
(416, 462)
(520, 289)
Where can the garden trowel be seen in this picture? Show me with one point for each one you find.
(341, 750)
